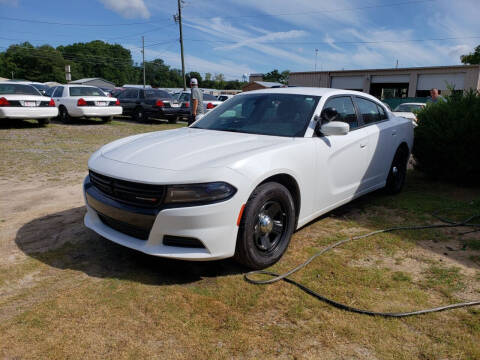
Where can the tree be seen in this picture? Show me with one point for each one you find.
(219, 77)
(208, 76)
(196, 75)
(276, 76)
(472, 58)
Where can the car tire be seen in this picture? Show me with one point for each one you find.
(63, 115)
(139, 115)
(173, 120)
(398, 172)
(43, 122)
(107, 119)
(267, 224)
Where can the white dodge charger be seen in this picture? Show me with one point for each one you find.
(244, 177)
(21, 101)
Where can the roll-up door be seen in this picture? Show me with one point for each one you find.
(383, 79)
(347, 82)
(441, 81)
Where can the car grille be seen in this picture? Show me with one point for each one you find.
(125, 228)
(132, 193)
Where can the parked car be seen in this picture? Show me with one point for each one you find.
(224, 97)
(42, 88)
(83, 101)
(407, 110)
(49, 91)
(209, 102)
(243, 178)
(21, 101)
(141, 104)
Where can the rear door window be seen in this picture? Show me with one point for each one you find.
(58, 92)
(369, 111)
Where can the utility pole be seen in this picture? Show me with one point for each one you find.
(178, 18)
(143, 53)
(316, 55)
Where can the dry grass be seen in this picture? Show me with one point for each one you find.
(85, 297)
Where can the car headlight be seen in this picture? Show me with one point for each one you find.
(199, 193)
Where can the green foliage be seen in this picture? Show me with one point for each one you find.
(276, 76)
(472, 58)
(97, 59)
(447, 142)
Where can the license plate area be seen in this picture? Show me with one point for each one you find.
(101, 103)
(29, 103)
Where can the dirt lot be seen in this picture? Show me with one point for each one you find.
(67, 293)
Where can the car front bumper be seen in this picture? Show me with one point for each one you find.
(95, 111)
(28, 112)
(213, 225)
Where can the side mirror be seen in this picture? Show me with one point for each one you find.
(329, 114)
(335, 128)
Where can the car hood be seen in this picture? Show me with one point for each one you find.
(189, 148)
(408, 115)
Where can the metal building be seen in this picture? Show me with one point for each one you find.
(98, 82)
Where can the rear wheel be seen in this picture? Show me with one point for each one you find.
(43, 122)
(173, 120)
(63, 115)
(398, 172)
(139, 115)
(267, 225)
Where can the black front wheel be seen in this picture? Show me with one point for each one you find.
(266, 227)
(139, 115)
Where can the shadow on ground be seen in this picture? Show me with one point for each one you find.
(6, 124)
(62, 241)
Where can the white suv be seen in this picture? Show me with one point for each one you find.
(84, 101)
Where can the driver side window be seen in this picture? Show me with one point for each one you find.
(345, 109)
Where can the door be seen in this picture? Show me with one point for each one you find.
(382, 142)
(58, 95)
(342, 159)
(128, 99)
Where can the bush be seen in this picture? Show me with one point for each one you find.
(447, 139)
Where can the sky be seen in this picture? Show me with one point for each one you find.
(237, 37)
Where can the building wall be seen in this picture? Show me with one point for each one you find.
(323, 78)
(255, 77)
(252, 86)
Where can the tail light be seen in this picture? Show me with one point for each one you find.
(4, 102)
(51, 103)
(210, 106)
(159, 103)
(187, 104)
(81, 102)
(117, 103)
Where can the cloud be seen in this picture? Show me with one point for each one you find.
(10, 2)
(218, 28)
(128, 8)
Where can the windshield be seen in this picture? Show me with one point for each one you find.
(18, 89)
(264, 114)
(152, 94)
(408, 107)
(209, 97)
(86, 91)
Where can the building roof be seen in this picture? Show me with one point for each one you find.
(269, 84)
(81, 81)
(457, 67)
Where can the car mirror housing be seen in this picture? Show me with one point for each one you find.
(329, 114)
(335, 128)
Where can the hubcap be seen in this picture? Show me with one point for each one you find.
(394, 170)
(270, 226)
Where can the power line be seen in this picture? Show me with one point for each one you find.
(73, 24)
(325, 10)
(339, 42)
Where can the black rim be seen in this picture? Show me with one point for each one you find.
(270, 226)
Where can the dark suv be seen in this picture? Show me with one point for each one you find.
(141, 104)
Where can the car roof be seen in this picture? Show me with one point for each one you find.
(78, 85)
(313, 91)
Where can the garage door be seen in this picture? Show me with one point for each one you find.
(347, 82)
(440, 81)
(384, 79)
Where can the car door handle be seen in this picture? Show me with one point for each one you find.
(394, 132)
(362, 145)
